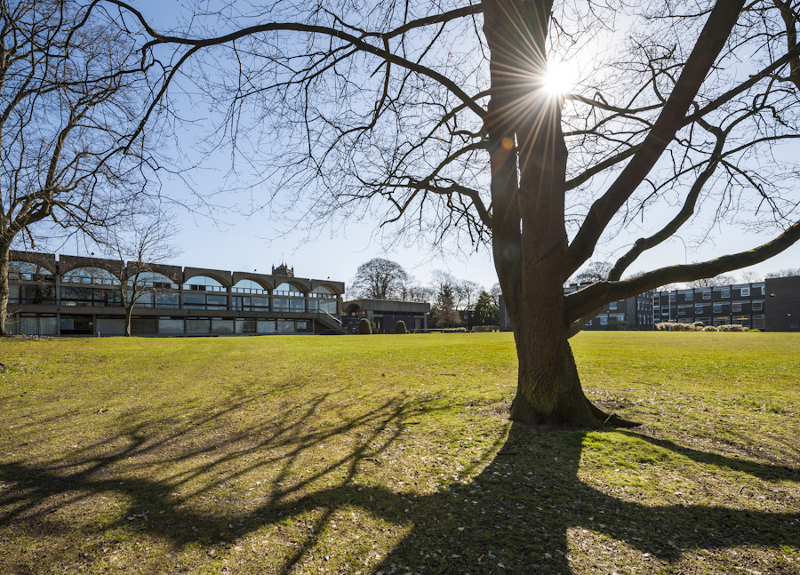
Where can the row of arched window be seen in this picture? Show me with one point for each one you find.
(94, 286)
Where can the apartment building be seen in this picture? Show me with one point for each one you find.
(771, 305)
(79, 296)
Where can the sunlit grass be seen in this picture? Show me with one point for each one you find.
(392, 454)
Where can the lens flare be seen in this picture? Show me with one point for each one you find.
(560, 78)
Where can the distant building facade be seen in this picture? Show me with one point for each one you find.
(636, 312)
(384, 314)
(79, 296)
(771, 305)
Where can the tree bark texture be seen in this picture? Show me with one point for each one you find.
(4, 289)
(528, 162)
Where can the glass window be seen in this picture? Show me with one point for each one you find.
(760, 321)
(221, 326)
(248, 286)
(217, 301)
(170, 326)
(612, 305)
(90, 275)
(297, 304)
(722, 320)
(328, 307)
(717, 308)
(704, 320)
(671, 297)
(76, 325)
(737, 306)
(304, 326)
(266, 326)
(110, 326)
(203, 283)
(144, 300)
(726, 293)
(285, 326)
(603, 320)
(758, 305)
(688, 296)
(17, 269)
(166, 300)
(742, 320)
(194, 298)
(288, 289)
(706, 294)
(244, 325)
(745, 291)
(698, 309)
(36, 294)
(144, 326)
(280, 304)
(198, 326)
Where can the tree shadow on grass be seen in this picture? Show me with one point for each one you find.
(528, 510)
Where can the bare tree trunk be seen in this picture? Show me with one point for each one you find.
(529, 234)
(128, 318)
(4, 291)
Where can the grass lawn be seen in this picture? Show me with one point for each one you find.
(393, 455)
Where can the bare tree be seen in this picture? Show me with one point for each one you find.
(69, 80)
(468, 293)
(786, 272)
(380, 279)
(720, 280)
(594, 272)
(142, 245)
(751, 277)
(440, 120)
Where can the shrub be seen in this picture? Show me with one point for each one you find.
(675, 326)
(485, 328)
(732, 327)
(400, 327)
(710, 328)
(617, 326)
(754, 330)
(364, 326)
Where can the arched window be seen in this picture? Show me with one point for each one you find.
(28, 271)
(73, 295)
(292, 299)
(90, 275)
(248, 286)
(194, 298)
(324, 300)
(288, 289)
(30, 284)
(203, 283)
(254, 297)
(155, 280)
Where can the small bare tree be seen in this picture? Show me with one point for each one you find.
(141, 246)
(70, 81)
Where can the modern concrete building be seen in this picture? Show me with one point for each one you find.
(79, 296)
(771, 305)
(634, 313)
(384, 314)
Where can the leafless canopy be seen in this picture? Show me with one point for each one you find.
(70, 103)
(383, 108)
